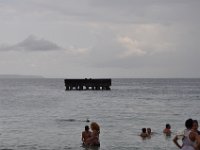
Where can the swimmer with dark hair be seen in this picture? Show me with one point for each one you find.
(86, 134)
(144, 133)
(167, 130)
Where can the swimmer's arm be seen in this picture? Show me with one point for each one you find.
(82, 137)
(175, 140)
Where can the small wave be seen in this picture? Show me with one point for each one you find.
(72, 120)
(175, 114)
(66, 148)
(67, 120)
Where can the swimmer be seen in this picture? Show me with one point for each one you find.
(86, 134)
(144, 133)
(87, 120)
(167, 130)
(190, 139)
(149, 131)
(94, 139)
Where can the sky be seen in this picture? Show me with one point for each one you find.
(100, 38)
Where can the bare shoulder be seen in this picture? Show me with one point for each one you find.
(193, 135)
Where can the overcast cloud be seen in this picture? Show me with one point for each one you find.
(100, 38)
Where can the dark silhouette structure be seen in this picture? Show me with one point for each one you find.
(87, 84)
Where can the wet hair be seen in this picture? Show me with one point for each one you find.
(87, 128)
(144, 130)
(195, 121)
(95, 126)
(189, 123)
(149, 130)
(168, 126)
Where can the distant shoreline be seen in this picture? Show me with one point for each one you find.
(10, 76)
(18, 76)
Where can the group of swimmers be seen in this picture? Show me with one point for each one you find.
(146, 132)
(91, 138)
(190, 136)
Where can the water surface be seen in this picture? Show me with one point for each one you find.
(38, 114)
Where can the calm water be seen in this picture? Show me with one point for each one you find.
(38, 114)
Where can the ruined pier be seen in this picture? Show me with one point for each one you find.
(87, 84)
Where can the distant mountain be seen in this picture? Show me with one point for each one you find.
(19, 76)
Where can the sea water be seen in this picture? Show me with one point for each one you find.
(38, 114)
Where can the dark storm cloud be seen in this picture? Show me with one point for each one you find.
(32, 43)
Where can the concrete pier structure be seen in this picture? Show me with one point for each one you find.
(87, 84)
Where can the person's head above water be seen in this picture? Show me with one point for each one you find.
(195, 125)
(189, 123)
(144, 130)
(95, 126)
(87, 128)
(168, 126)
(149, 130)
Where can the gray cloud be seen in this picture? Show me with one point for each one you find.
(112, 11)
(131, 11)
(32, 43)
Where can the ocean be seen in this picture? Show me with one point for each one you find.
(38, 114)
